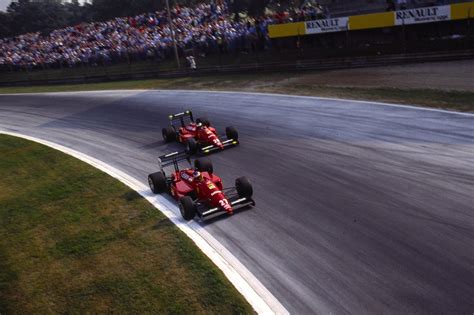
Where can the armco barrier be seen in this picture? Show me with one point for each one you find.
(298, 65)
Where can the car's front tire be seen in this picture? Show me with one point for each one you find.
(187, 208)
(169, 134)
(191, 146)
(244, 188)
(231, 133)
(157, 182)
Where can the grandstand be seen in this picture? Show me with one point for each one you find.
(203, 28)
(208, 30)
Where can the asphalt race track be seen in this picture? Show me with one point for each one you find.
(361, 208)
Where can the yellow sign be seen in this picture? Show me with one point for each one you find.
(375, 20)
(286, 30)
(461, 11)
(457, 11)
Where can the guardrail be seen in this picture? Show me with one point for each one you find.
(297, 65)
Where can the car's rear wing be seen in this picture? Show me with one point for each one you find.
(181, 117)
(172, 159)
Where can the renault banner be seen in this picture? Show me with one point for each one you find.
(423, 15)
(442, 13)
(327, 25)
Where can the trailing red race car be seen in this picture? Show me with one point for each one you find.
(198, 190)
(198, 136)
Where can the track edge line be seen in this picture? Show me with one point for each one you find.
(321, 98)
(258, 296)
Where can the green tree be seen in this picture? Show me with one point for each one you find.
(5, 24)
(77, 13)
(27, 16)
(107, 9)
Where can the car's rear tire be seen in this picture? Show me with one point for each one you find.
(231, 133)
(157, 182)
(204, 121)
(204, 165)
(187, 208)
(191, 146)
(244, 188)
(169, 134)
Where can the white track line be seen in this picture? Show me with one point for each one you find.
(319, 98)
(316, 98)
(246, 283)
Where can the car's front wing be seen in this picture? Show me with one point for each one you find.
(213, 148)
(236, 203)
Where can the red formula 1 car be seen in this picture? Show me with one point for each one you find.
(198, 136)
(198, 190)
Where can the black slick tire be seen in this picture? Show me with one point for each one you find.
(244, 188)
(231, 133)
(157, 182)
(169, 134)
(187, 208)
(191, 146)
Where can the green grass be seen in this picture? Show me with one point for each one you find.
(453, 100)
(75, 240)
(279, 83)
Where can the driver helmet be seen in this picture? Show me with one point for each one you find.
(197, 175)
(199, 124)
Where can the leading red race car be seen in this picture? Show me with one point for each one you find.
(198, 190)
(198, 136)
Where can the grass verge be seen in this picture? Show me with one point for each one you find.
(279, 83)
(75, 240)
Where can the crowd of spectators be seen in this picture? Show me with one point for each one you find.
(393, 5)
(200, 30)
(204, 29)
(308, 11)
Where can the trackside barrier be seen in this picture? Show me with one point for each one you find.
(297, 65)
(431, 14)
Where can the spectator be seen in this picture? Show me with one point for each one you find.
(402, 4)
(204, 27)
(191, 62)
